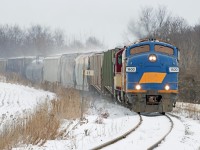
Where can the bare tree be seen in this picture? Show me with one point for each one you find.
(93, 42)
(39, 40)
(11, 40)
(59, 39)
(76, 44)
(162, 16)
(149, 22)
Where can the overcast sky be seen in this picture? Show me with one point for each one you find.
(105, 19)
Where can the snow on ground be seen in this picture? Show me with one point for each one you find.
(103, 121)
(185, 134)
(153, 127)
(17, 101)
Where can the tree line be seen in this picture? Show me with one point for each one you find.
(40, 40)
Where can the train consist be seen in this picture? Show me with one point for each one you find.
(143, 75)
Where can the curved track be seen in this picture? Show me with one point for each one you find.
(119, 137)
(159, 141)
(141, 127)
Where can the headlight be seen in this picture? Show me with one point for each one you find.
(138, 87)
(152, 58)
(167, 87)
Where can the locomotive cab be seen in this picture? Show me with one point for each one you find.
(150, 76)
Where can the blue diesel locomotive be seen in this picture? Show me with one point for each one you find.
(147, 78)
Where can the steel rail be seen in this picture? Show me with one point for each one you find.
(119, 137)
(159, 142)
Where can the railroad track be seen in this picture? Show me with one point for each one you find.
(159, 141)
(119, 137)
(130, 132)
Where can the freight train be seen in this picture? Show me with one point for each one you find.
(142, 75)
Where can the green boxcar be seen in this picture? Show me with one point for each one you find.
(108, 71)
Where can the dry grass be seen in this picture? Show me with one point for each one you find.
(16, 79)
(44, 123)
(69, 104)
(34, 129)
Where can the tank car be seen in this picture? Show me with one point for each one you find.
(147, 79)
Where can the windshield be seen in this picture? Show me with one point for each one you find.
(139, 49)
(164, 49)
